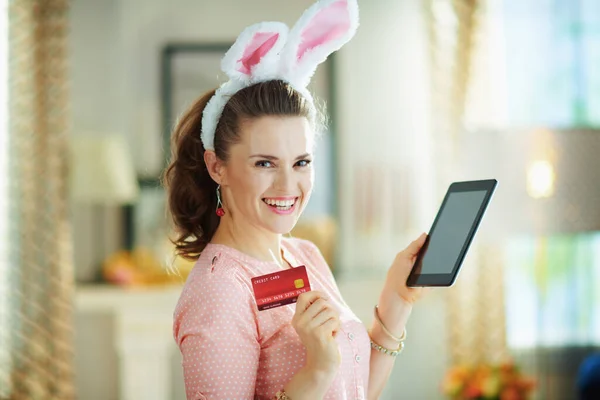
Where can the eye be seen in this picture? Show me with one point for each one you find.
(262, 163)
(305, 163)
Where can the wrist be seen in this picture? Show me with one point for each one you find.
(316, 376)
(392, 298)
(309, 384)
(393, 311)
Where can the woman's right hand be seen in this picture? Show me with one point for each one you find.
(317, 322)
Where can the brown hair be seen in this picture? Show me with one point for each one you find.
(191, 192)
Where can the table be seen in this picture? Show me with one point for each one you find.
(143, 336)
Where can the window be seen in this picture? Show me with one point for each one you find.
(552, 298)
(533, 67)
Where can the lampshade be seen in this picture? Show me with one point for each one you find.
(548, 179)
(102, 170)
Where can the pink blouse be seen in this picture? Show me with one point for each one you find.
(231, 350)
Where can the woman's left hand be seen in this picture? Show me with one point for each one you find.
(400, 270)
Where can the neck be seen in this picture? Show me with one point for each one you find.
(265, 246)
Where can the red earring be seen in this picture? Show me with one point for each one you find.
(220, 210)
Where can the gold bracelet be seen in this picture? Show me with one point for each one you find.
(385, 350)
(397, 339)
(281, 395)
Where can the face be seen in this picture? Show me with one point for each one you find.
(269, 177)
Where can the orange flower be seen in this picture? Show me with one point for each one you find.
(527, 384)
(491, 386)
(507, 366)
(455, 379)
(510, 393)
(488, 381)
(473, 391)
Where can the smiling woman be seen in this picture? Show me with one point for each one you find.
(240, 177)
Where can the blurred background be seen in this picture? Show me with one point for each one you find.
(427, 93)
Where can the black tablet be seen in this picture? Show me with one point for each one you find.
(444, 250)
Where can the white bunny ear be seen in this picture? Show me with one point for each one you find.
(324, 28)
(255, 52)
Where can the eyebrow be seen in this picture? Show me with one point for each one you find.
(273, 158)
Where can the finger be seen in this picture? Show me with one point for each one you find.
(320, 304)
(331, 326)
(336, 328)
(330, 307)
(307, 298)
(413, 248)
(316, 308)
(321, 318)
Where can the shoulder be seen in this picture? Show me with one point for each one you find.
(214, 291)
(215, 279)
(211, 268)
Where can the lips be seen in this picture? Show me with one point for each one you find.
(279, 202)
(282, 207)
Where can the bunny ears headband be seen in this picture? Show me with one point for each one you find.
(270, 51)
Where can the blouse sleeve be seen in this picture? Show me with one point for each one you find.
(215, 327)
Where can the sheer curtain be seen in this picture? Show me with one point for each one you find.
(474, 306)
(4, 339)
(37, 257)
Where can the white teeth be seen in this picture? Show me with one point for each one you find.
(280, 203)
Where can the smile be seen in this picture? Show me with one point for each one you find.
(281, 206)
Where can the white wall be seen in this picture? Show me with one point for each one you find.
(384, 120)
(382, 96)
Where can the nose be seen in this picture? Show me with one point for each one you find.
(285, 181)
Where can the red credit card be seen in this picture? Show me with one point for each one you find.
(280, 288)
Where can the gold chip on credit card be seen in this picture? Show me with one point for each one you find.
(299, 283)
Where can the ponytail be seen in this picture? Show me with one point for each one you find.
(191, 195)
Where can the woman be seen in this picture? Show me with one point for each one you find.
(240, 177)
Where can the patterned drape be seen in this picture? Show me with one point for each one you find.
(41, 276)
(475, 306)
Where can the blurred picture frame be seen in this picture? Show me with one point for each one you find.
(187, 71)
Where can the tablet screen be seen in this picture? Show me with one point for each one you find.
(451, 230)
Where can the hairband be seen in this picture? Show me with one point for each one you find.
(270, 51)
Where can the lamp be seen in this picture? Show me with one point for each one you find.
(102, 174)
(102, 170)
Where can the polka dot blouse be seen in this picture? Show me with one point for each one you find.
(231, 350)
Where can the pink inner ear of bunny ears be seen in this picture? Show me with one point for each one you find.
(260, 45)
(329, 24)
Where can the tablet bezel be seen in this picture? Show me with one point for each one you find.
(416, 278)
